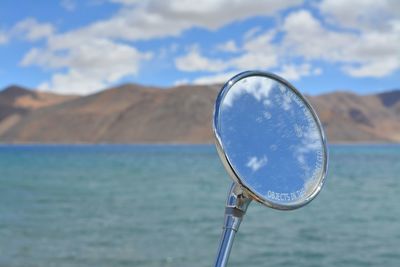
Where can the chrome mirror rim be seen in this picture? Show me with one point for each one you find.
(227, 163)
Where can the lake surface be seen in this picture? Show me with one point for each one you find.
(163, 206)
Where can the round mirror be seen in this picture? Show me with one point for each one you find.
(270, 140)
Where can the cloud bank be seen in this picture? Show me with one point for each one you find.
(360, 37)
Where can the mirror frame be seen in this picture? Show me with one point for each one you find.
(225, 158)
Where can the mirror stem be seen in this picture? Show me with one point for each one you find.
(236, 206)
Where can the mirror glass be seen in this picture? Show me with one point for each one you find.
(270, 140)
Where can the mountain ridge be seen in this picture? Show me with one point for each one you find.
(133, 113)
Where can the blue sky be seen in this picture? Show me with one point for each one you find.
(81, 47)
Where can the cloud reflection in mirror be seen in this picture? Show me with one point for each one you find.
(271, 139)
(258, 88)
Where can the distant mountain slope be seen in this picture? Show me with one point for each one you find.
(390, 98)
(17, 101)
(21, 97)
(349, 117)
(137, 114)
(125, 114)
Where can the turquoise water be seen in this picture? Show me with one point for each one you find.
(163, 206)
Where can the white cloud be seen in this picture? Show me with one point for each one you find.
(72, 82)
(219, 78)
(141, 20)
(360, 14)
(295, 72)
(374, 69)
(125, 2)
(181, 82)
(305, 37)
(32, 30)
(254, 86)
(88, 59)
(68, 5)
(89, 66)
(364, 41)
(194, 61)
(3, 38)
(229, 46)
(255, 163)
(367, 53)
(252, 32)
(257, 53)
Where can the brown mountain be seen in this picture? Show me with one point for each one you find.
(348, 117)
(125, 114)
(137, 114)
(16, 102)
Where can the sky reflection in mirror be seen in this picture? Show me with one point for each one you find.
(271, 139)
